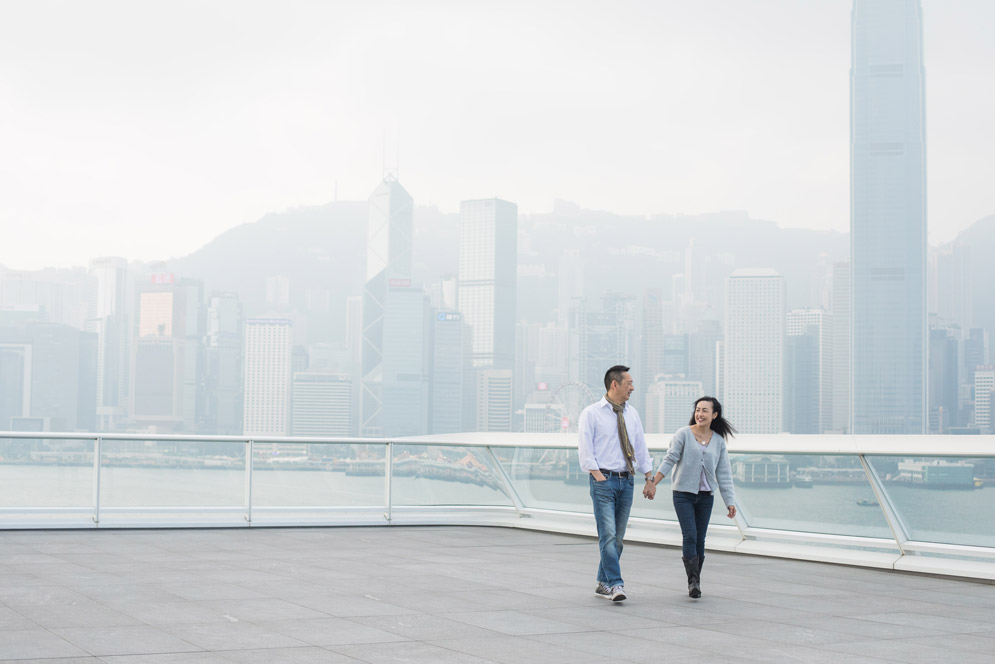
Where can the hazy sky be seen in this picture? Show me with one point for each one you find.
(145, 129)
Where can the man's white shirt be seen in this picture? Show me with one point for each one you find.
(598, 445)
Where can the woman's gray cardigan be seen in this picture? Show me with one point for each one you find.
(691, 458)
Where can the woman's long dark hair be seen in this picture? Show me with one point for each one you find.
(720, 425)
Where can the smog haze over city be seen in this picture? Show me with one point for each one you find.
(145, 130)
(442, 216)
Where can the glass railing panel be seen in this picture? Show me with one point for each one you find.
(190, 475)
(318, 475)
(941, 499)
(547, 478)
(826, 494)
(440, 475)
(46, 474)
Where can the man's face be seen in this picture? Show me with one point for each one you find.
(622, 391)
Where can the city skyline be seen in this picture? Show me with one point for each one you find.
(683, 112)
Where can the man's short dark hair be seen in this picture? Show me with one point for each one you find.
(614, 374)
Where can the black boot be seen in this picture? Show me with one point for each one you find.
(701, 561)
(691, 566)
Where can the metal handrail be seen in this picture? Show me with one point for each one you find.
(908, 554)
(815, 444)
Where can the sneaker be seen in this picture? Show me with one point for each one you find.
(618, 593)
(603, 591)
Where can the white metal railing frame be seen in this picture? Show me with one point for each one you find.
(956, 559)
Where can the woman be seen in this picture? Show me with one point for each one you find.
(702, 463)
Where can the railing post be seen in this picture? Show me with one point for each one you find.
(898, 530)
(248, 481)
(388, 467)
(96, 480)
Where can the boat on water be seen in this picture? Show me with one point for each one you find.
(867, 502)
(803, 481)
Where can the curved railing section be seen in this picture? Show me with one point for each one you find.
(913, 503)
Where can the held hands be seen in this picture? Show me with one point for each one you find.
(732, 512)
(649, 490)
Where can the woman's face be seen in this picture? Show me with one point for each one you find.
(703, 413)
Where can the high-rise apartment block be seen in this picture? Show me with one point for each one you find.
(754, 350)
(267, 376)
(984, 385)
(322, 404)
(669, 404)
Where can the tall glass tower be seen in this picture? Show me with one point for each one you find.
(888, 218)
(488, 277)
(388, 266)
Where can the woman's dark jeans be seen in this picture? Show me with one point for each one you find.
(693, 511)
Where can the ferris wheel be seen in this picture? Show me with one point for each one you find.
(564, 407)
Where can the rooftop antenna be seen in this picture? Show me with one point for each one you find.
(390, 173)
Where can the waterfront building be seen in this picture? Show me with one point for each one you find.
(322, 405)
(168, 367)
(267, 376)
(841, 347)
(669, 403)
(811, 369)
(223, 375)
(48, 377)
(388, 265)
(109, 320)
(888, 218)
(405, 362)
(494, 400)
(984, 384)
(600, 339)
(487, 291)
(754, 350)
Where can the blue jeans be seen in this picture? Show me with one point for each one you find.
(693, 511)
(612, 501)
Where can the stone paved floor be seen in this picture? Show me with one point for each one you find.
(455, 594)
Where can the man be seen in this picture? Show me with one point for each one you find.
(612, 448)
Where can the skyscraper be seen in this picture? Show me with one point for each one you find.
(669, 404)
(944, 378)
(158, 359)
(818, 325)
(109, 320)
(388, 264)
(888, 217)
(488, 276)
(841, 347)
(494, 393)
(600, 339)
(268, 346)
(450, 354)
(48, 377)
(984, 385)
(405, 363)
(223, 408)
(487, 291)
(322, 404)
(753, 360)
